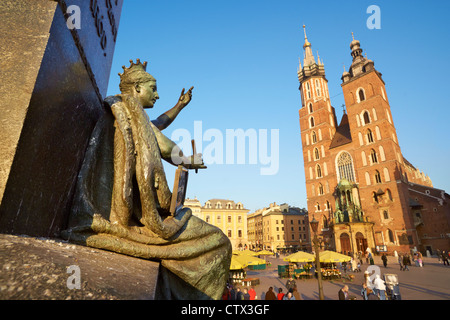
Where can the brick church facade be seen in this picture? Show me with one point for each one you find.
(360, 188)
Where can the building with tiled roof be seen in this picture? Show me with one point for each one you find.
(228, 215)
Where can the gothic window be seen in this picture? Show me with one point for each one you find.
(377, 176)
(366, 117)
(391, 235)
(319, 171)
(369, 136)
(375, 197)
(373, 156)
(386, 215)
(316, 154)
(325, 222)
(308, 90)
(389, 193)
(361, 95)
(344, 164)
(313, 137)
(320, 189)
(318, 88)
(328, 205)
(367, 178)
(311, 122)
(318, 206)
(386, 174)
(310, 108)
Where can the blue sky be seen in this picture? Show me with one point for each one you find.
(242, 59)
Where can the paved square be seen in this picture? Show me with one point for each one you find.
(431, 282)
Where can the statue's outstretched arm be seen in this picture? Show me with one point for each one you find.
(172, 153)
(164, 120)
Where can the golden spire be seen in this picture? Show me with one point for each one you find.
(353, 36)
(307, 43)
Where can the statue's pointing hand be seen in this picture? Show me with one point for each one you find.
(185, 98)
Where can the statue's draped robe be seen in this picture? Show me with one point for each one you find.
(122, 204)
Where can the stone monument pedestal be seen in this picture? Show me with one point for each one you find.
(37, 269)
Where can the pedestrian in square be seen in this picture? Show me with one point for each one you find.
(384, 258)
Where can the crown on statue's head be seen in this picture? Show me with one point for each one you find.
(138, 66)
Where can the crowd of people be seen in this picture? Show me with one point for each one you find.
(232, 292)
(373, 287)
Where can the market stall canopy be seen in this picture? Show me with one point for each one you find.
(300, 257)
(235, 264)
(331, 256)
(264, 253)
(248, 260)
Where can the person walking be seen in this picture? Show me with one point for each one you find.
(444, 258)
(252, 293)
(233, 293)
(290, 284)
(343, 293)
(280, 294)
(270, 295)
(246, 294)
(296, 294)
(400, 262)
(380, 287)
(289, 296)
(364, 292)
(406, 262)
(384, 258)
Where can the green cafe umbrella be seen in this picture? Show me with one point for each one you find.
(300, 257)
(332, 257)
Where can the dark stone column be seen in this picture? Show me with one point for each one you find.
(52, 83)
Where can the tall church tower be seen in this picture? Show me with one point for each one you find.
(356, 177)
(378, 160)
(318, 126)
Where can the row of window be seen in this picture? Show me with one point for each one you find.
(300, 237)
(218, 205)
(317, 89)
(219, 219)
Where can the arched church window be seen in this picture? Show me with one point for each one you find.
(325, 222)
(344, 164)
(369, 136)
(373, 156)
(375, 197)
(319, 171)
(308, 90)
(318, 88)
(366, 117)
(320, 189)
(310, 108)
(311, 122)
(361, 95)
(314, 137)
(389, 193)
(391, 235)
(377, 176)
(316, 154)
